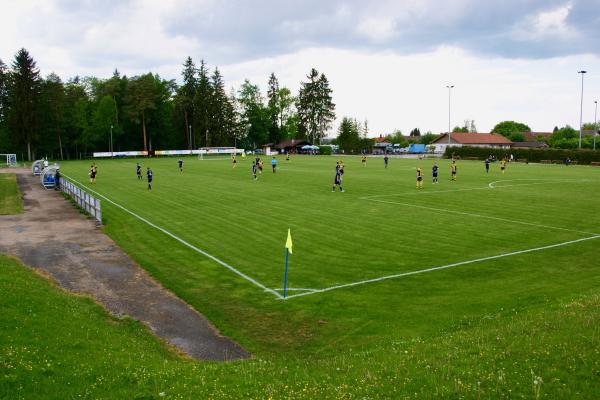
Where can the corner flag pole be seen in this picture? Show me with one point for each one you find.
(288, 251)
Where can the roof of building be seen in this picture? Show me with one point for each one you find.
(473, 138)
(533, 136)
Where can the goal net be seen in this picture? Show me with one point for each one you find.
(8, 160)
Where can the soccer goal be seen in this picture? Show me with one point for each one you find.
(10, 160)
(217, 153)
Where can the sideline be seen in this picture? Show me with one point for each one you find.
(421, 271)
(191, 246)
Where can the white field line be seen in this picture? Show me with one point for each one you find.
(297, 289)
(383, 278)
(191, 246)
(491, 185)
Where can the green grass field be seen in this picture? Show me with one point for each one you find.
(10, 197)
(518, 247)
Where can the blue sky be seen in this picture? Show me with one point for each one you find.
(388, 61)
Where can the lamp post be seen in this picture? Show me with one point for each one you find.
(190, 134)
(111, 144)
(581, 107)
(595, 122)
(449, 87)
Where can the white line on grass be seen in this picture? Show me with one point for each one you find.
(442, 210)
(383, 278)
(191, 246)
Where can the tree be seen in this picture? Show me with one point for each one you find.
(51, 113)
(458, 129)
(348, 137)
(186, 95)
(24, 91)
(512, 130)
(140, 100)
(5, 142)
(315, 106)
(415, 133)
(564, 138)
(255, 116)
(219, 109)
(273, 104)
(202, 101)
(428, 138)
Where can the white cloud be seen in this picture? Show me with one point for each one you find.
(377, 29)
(546, 24)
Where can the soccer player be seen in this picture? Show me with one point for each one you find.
(419, 178)
(259, 164)
(138, 170)
(342, 166)
(453, 170)
(364, 161)
(149, 175)
(233, 160)
(503, 165)
(385, 160)
(434, 173)
(487, 165)
(287, 156)
(180, 162)
(274, 164)
(337, 181)
(254, 169)
(93, 172)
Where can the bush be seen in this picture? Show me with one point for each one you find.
(325, 150)
(531, 155)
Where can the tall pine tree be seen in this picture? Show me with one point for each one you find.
(273, 105)
(24, 91)
(202, 107)
(315, 106)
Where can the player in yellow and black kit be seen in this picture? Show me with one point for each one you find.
(364, 161)
(453, 171)
(503, 165)
(419, 178)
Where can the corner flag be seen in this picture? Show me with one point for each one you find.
(288, 242)
(288, 250)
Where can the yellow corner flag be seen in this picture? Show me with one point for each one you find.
(288, 242)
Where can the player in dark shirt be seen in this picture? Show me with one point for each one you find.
(453, 171)
(149, 175)
(180, 162)
(138, 171)
(386, 159)
(337, 180)
(487, 165)
(434, 173)
(254, 170)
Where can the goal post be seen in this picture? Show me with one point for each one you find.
(10, 160)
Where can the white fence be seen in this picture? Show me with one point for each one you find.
(86, 201)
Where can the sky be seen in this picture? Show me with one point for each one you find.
(388, 61)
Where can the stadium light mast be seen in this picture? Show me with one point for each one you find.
(595, 122)
(582, 72)
(190, 135)
(449, 87)
(111, 143)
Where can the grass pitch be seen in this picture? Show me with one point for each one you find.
(486, 328)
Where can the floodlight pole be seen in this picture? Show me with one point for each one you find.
(449, 87)
(581, 108)
(190, 134)
(111, 142)
(595, 122)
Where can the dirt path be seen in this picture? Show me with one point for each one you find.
(53, 236)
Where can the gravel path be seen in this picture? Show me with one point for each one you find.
(53, 236)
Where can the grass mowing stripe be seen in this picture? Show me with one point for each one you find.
(191, 246)
(442, 210)
(421, 271)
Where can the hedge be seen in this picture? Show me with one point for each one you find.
(531, 155)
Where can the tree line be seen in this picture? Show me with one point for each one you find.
(64, 120)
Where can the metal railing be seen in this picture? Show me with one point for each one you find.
(83, 199)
